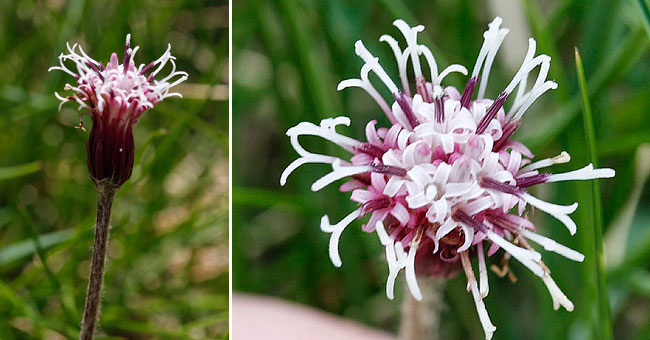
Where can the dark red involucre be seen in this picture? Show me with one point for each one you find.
(110, 150)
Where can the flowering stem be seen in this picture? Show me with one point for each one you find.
(421, 319)
(105, 195)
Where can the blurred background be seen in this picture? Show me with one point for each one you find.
(167, 273)
(288, 57)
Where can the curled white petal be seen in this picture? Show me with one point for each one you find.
(433, 66)
(558, 297)
(495, 44)
(411, 279)
(371, 60)
(488, 327)
(482, 271)
(402, 59)
(563, 157)
(410, 34)
(338, 172)
(469, 238)
(552, 245)
(536, 93)
(451, 69)
(586, 173)
(312, 158)
(123, 83)
(396, 260)
(336, 230)
(325, 130)
(527, 257)
(561, 212)
(365, 84)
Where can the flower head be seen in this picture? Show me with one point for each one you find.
(115, 96)
(446, 182)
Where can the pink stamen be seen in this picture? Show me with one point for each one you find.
(524, 182)
(403, 103)
(492, 111)
(468, 92)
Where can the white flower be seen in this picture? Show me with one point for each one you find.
(445, 177)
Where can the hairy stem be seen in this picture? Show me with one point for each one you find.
(105, 195)
(421, 319)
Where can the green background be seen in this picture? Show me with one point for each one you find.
(288, 57)
(167, 273)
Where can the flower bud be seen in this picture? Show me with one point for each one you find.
(115, 96)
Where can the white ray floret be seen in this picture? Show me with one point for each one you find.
(552, 245)
(558, 297)
(336, 230)
(371, 60)
(488, 327)
(326, 130)
(122, 83)
(586, 173)
(339, 172)
(562, 158)
(482, 271)
(364, 83)
(526, 257)
(493, 38)
(395, 263)
(410, 34)
(411, 279)
(560, 212)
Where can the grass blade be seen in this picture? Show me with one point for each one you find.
(546, 44)
(68, 308)
(21, 249)
(646, 15)
(313, 66)
(604, 330)
(19, 170)
(618, 64)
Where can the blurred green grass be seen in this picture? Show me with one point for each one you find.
(288, 57)
(167, 274)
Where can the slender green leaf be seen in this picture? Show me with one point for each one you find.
(558, 13)
(263, 198)
(68, 309)
(314, 69)
(627, 53)
(19, 170)
(604, 323)
(25, 248)
(645, 11)
(626, 143)
(547, 45)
